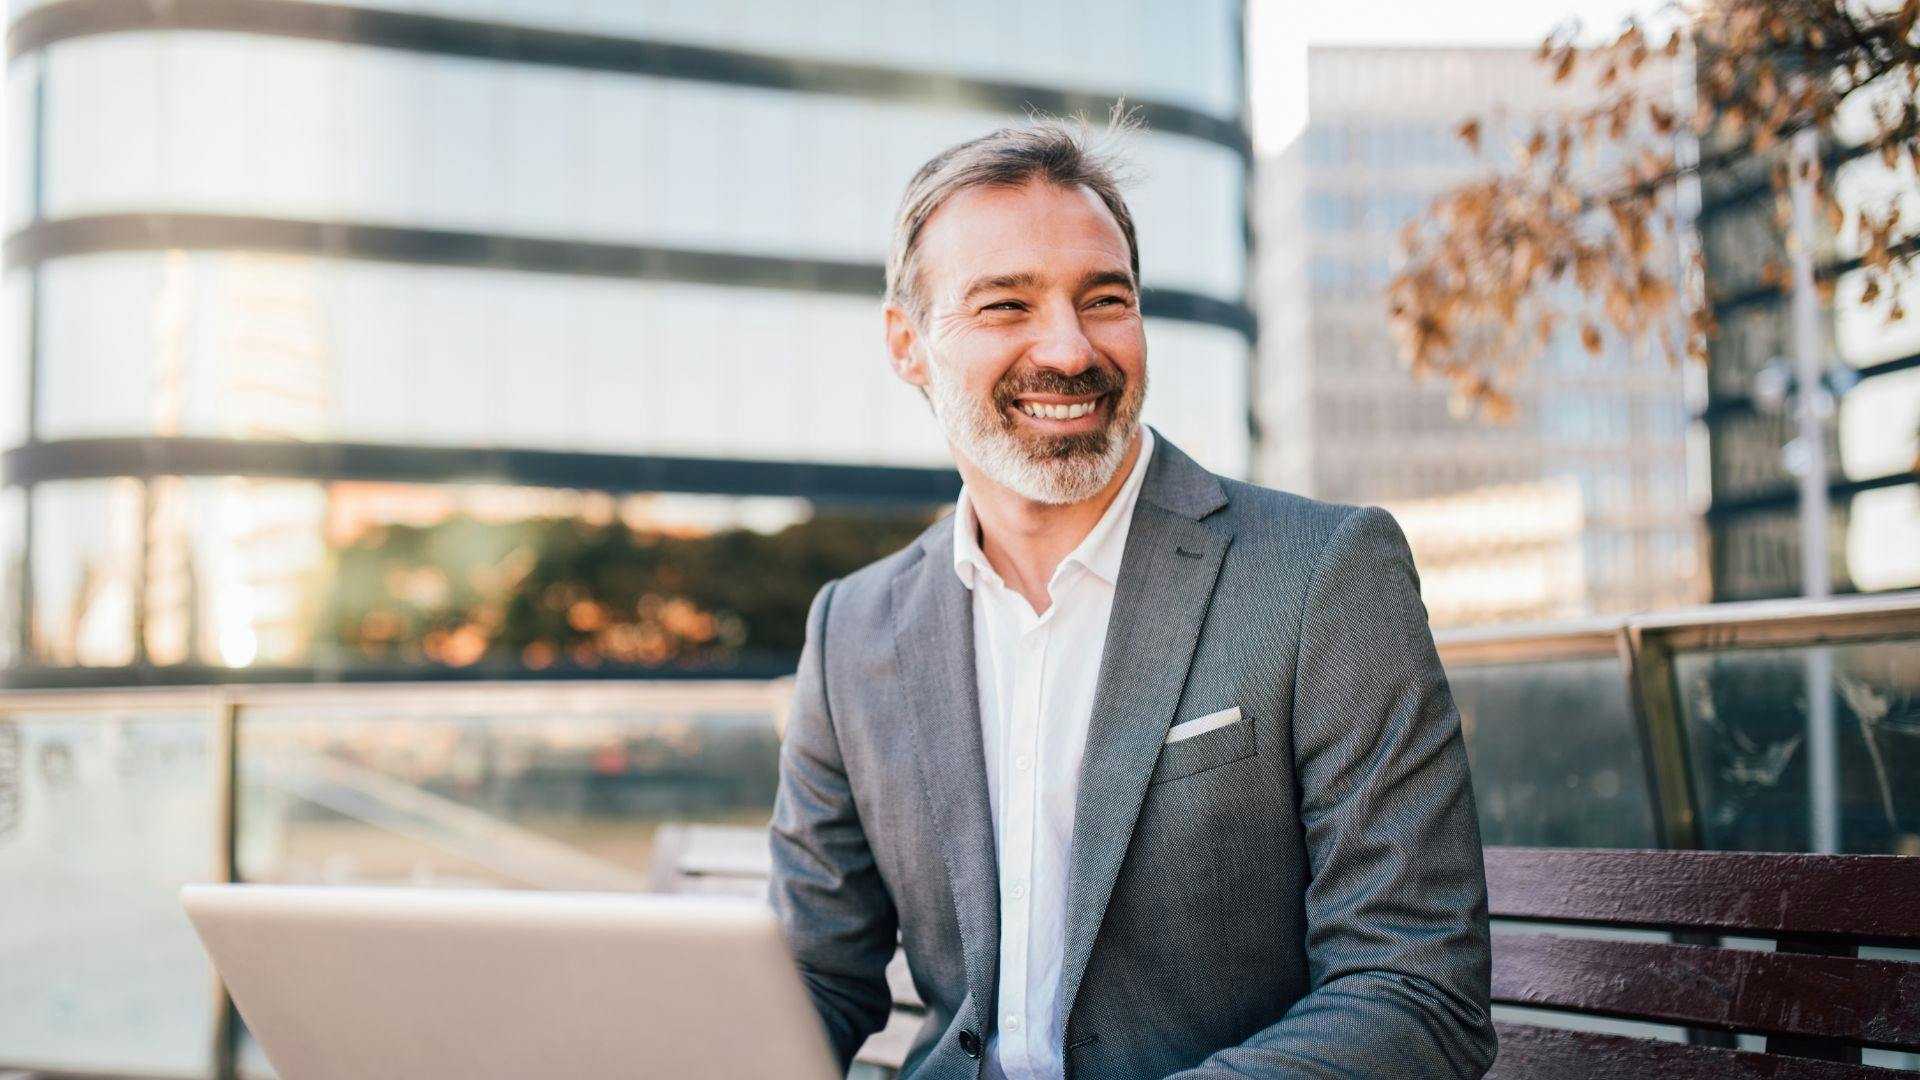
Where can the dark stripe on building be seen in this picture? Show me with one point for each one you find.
(1726, 404)
(103, 233)
(508, 43)
(1788, 499)
(1727, 305)
(71, 459)
(1740, 195)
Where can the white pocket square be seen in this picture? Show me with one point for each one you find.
(1187, 729)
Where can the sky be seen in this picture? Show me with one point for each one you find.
(1279, 32)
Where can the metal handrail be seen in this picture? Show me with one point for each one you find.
(1646, 645)
(1748, 624)
(492, 694)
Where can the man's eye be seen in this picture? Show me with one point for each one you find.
(1003, 305)
(1110, 300)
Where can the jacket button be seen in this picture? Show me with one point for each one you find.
(970, 1043)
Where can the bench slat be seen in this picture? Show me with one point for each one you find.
(1869, 899)
(1528, 1052)
(1731, 989)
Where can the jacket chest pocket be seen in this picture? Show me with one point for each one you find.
(1207, 750)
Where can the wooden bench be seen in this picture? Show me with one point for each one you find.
(1812, 997)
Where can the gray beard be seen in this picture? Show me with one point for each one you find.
(1074, 469)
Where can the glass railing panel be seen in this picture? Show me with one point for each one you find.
(520, 788)
(104, 815)
(1555, 757)
(1806, 748)
(504, 795)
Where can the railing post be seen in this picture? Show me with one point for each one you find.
(1655, 696)
(226, 774)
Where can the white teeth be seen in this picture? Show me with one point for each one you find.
(1057, 412)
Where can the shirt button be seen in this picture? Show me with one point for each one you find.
(1019, 891)
(1013, 1022)
(1022, 762)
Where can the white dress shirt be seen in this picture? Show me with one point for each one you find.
(1036, 675)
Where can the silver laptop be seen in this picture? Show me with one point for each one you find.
(440, 984)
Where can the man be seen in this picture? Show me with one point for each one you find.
(1151, 771)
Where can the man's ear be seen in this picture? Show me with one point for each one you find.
(903, 347)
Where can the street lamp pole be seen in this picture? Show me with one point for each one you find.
(1810, 408)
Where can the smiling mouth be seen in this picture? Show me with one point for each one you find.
(1040, 410)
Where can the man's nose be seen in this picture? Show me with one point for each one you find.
(1062, 343)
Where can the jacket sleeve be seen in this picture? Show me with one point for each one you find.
(833, 908)
(1396, 906)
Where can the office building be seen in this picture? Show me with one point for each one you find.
(1870, 391)
(508, 336)
(1341, 418)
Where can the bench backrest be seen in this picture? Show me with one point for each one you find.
(1813, 996)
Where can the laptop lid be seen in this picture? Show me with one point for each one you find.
(442, 984)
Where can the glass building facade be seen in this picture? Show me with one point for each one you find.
(1586, 504)
(1870, 400)
(329, 326)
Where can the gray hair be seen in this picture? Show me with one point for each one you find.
(1047, 149)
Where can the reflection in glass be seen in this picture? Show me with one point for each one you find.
(86, 561)
(13, 572)
(16, 329)
(381, 136)
(542, 578)
(269, 347)
(16, 160)
(1183, 53)
(102, 819)
(1751, 743)
(240, 571)
(219, 570)
(1555, 758)
(566, 796)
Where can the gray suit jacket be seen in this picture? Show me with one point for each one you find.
(1296, 895)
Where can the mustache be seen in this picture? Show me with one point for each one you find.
(1094, 380)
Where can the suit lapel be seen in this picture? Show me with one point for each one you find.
(933, 638)
(1160, 601)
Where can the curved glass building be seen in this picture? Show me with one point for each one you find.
(501, 336)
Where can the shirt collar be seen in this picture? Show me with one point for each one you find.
(1100, 551)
